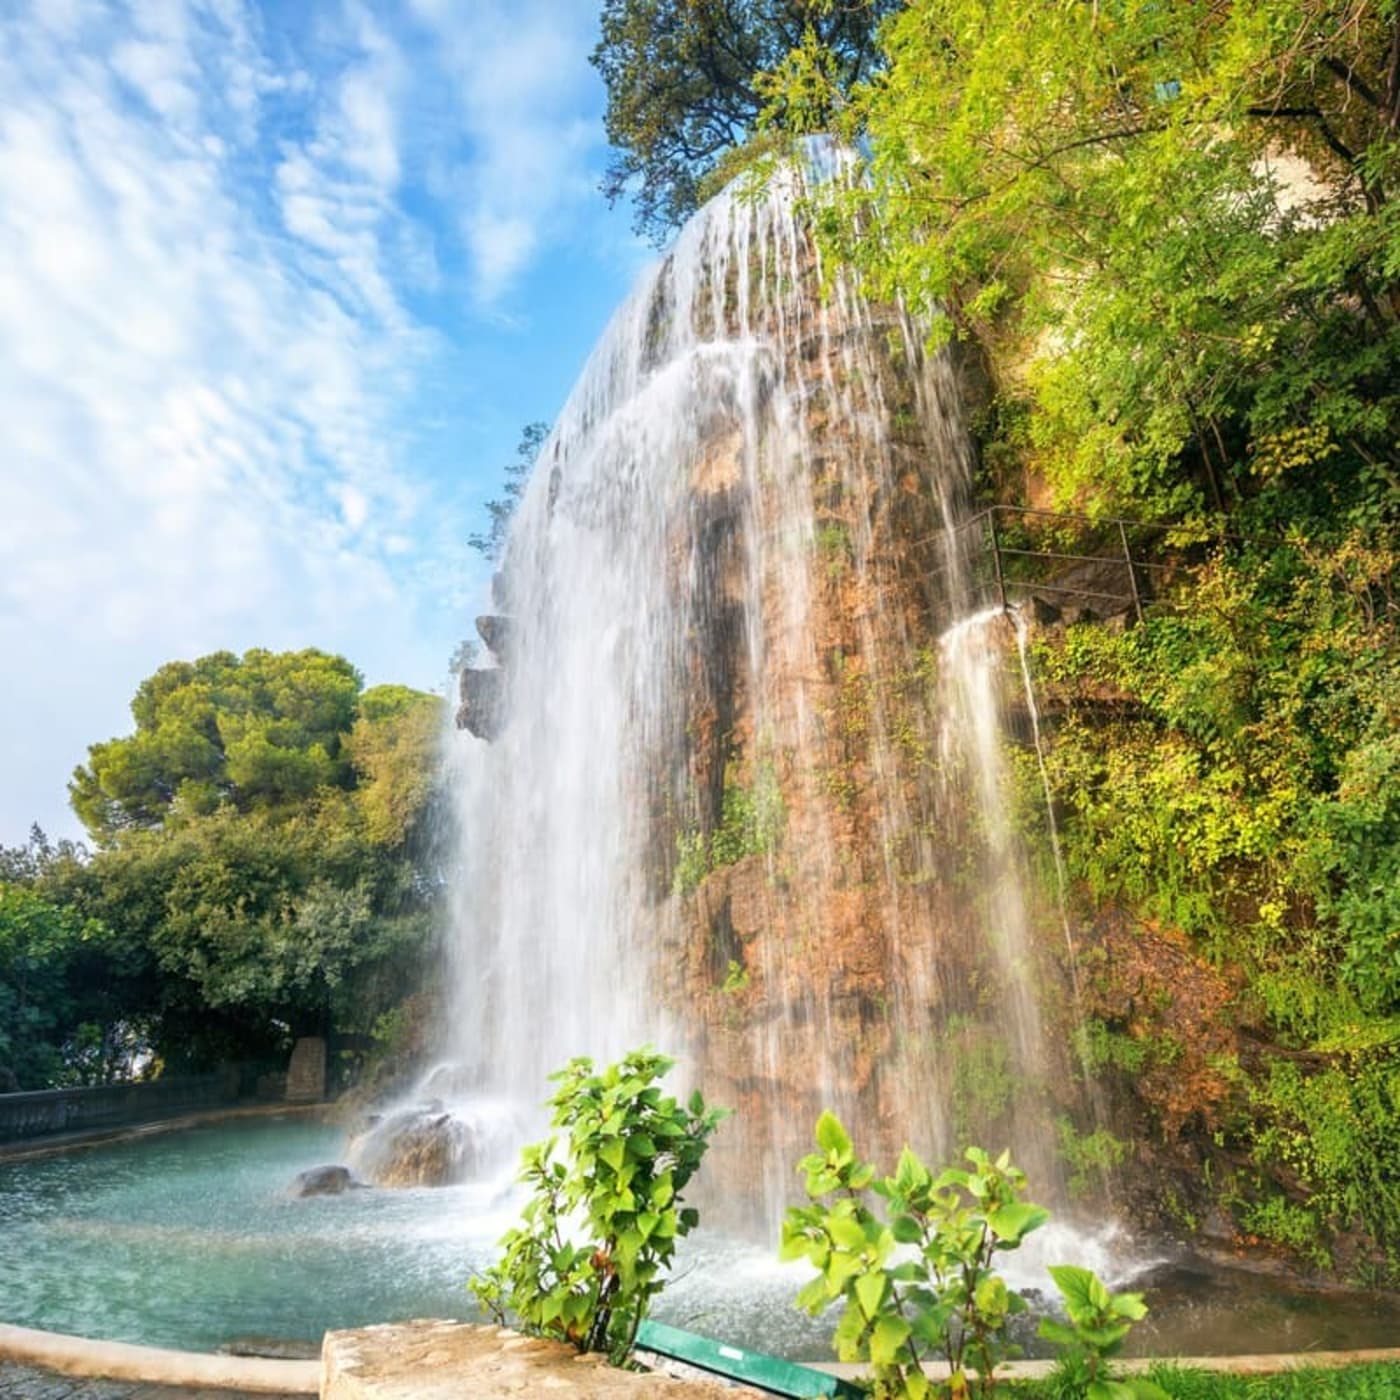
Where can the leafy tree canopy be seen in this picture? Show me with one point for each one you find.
(257, 731)
(1174, 225)
(681, 90)
(70, 993)
(265, 867)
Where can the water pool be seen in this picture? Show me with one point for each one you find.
(191, 1239)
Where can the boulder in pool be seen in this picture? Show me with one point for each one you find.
(325, 1181)
(417, 1147)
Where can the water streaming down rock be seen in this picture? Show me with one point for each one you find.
(734, 797)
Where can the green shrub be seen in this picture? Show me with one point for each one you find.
(601, 1226)
(941, 1296)
(1097, 1323)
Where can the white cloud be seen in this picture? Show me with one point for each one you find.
(521, 80)
(238, 243)
(199, 400)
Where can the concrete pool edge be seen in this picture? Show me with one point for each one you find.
(129, 1361)
(92, 1358)
(56, 1144)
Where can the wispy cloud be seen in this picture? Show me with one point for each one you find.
(521, 71)
(218, 224)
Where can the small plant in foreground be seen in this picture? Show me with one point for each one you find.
(939, 1297)
(1098, 1323)
(601, 1226)
(940, 1294)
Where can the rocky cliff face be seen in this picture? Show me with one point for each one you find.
(745, 794)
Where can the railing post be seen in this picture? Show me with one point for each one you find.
(1132, 577)
(996, 557)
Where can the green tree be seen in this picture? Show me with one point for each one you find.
(70, 1009)
(266, 839)
(260, 731)
(1173, 226)
(500, 511)
(393, 749)
(680, 76)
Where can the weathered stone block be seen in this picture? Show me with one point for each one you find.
(436, 1360)
(306, 1073)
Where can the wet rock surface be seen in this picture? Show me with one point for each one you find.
(427, 1146)
(325, 1181)
(481, 711)
(494, 630)
(273, 1348)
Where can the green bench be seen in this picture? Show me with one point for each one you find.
(738, 1364)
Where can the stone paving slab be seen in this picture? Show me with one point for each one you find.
(432, 1360)
(26, 1383)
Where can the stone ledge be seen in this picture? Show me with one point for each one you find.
(434, 1360)
(125, 1361)
(56, 1144)
(1251, 1364)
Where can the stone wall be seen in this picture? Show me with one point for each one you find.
(48, 1111)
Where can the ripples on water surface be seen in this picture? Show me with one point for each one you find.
(190, 1239)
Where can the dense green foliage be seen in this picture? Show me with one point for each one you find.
(70, 999)
(1173, 226)
(680, 76)
(600, 1229)
(264, 868)
(257, 732)
(1242, 791)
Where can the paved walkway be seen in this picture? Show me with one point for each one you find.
(25, 1383)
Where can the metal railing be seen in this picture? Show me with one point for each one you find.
(1128, 566)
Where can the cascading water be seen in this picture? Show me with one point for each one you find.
(731, 795)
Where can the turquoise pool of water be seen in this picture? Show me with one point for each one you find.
(192, 1239)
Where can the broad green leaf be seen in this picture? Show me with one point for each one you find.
(906, 1229)
(846, 1231)
(841, 1267)
(1130, 1305)
(870, 1290)
(832, 1137)
(1140, 1388)
(1074, 1284)
(886, 1337)
(1057, 1332)
(990, 1297)
(1012, 1223)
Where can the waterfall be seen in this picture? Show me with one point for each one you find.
(725, 789)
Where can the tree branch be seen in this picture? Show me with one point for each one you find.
(1353, 80)
(1334, 142)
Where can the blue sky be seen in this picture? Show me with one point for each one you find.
(280, 283)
